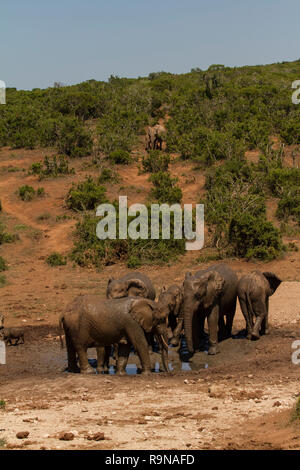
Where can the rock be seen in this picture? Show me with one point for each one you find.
(215, 408)
(98, 436)
(22, 434)
(276, 403)
(66, 436)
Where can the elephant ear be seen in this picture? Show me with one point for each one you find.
(214, 288)
(142, 312)
(273, 280)
(139, 285)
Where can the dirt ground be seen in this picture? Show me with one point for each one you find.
(239, 399)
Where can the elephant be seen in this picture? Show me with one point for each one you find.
(90, 321)
(10, 334)
(172, 299)
(210, 293)
(155, 136)
(133, 284)
(254, 290)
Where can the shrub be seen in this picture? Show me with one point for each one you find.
(40, 192)
(3, 265)
(296, 411)
(165, 189)
(57, 166)
(7, 237)
(90, 250)
(56, 259)
(85, 195)
(254, 237)
(120, 157)
(289, 205)
(73, 139)
(2, 281)
(26, 193)
(155, 161)
(108, 175)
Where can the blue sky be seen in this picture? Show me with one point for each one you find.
(71, 41)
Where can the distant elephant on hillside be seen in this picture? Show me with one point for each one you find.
(254, 290)
(155, 137)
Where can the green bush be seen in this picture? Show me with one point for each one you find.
(108, 175)
(90, 251)
(73, 139)
(40, 192)
(56, 259)
(7, 237)
(3, 265)
(289, 205)
(254, 237)
(26, 193)
(3, 281)
(85, 195)
(165, 189)
(155, 161)
(52, 167)
(120, 157)
(296, 411)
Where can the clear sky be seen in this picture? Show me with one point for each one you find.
(71, 41)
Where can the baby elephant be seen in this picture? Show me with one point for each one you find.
(254, 290)
(9, 334)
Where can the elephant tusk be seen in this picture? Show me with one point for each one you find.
(164, 342)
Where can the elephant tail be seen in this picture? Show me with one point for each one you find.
(61, 331)
(249, 303)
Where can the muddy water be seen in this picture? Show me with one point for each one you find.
(40, 358)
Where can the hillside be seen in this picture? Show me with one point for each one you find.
(232, 142)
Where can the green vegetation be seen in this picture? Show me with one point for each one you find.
(56, 259)
(2, 280)
(108, 176)
(120, 157)
(2, 404)
(212, 117)
(296, 411)
(27, 193)
(89, 250)
(165, 189)
(155, 161)
(85, 195)
(3, 265)
(57, 166)
(7, 237)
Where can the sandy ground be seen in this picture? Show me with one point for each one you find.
(240, 399)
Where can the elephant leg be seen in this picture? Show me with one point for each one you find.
(122, 357)
(139, 342)
(85, 368)
(222, 329)
(247, 316)
(261, 313)
(213, 321)
(72, 359)
(103, 355)
(265, 329)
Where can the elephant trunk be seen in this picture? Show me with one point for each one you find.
(188, 330)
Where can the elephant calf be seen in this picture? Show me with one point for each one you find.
(171, 299)
(254, 290)
(9, 334)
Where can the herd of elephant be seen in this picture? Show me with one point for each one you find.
(130, 316)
